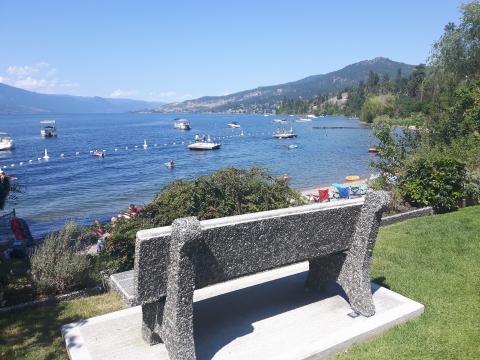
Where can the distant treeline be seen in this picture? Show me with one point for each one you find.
(378, 95)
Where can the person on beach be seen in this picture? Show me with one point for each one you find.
(101, 234)
(131, 212)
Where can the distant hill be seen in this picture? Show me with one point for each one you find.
(18, 101)
(267, 98)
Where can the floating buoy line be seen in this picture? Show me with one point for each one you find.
(47, 157)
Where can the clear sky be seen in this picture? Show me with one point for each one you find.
(173, 50)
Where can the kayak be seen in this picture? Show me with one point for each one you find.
(352, 178)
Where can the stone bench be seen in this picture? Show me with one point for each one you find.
(170, 262)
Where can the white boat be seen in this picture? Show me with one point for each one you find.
(181, 124)
(49, 130)
(280, 121)
(283, 133)
(310, 116)
(6, 141)
(303, 120)
(204, 144)
(234, 124)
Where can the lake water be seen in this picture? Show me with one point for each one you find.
(82, 187)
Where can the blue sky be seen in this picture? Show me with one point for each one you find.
(173, 50)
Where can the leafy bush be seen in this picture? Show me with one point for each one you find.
(225, 192)
(375, 106)
(58, 265)
(472, 188)
(435, 180)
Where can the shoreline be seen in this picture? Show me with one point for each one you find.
(307, 191)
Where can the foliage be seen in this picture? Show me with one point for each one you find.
(226, 192)
(375, 106)
(472, 187)
(435, 180)
(57, 265)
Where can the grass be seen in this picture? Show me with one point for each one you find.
(34, 333)
(19, 287)
(433, 260)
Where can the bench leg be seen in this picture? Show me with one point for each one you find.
(177, 329)
(352, 268)
(152, 318)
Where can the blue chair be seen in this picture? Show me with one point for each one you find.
(343, 192)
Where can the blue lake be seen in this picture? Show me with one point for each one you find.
(82, 187)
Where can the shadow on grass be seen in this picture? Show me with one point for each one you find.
(33, 329)
(381, 280)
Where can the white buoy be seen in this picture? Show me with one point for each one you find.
(12, 165)
(164, 144)
(77, 153)
(30, 161)
(126, 147)
(241, 134)
(62, 155)
(136, 146)
(39, 159)
(91, 151)
(21, 163)
(145, 146)
(154, 145)
(116, 149)
(45, 156)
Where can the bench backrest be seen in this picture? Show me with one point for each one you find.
(240, 245)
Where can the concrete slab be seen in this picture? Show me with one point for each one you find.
(263, 316)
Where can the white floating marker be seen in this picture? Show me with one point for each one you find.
(39, 159)
(126, 147)
(45, 155)
(30, 161)
(91, 151)
(116, 149)
(21, 163)
(145, 146)
(62, 155)
(12, 165)
(77, 153)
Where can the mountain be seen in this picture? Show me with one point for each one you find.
(267, 98)
(18, 101)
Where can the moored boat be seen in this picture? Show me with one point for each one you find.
(49, 129)
(6, 142)
(181, 124)
(283, 133)
(234, 124)
(280, 121)
(204, 144)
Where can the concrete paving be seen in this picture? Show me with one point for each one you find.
(263, 316)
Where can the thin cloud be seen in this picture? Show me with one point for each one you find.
(37, 77)
(119, 93)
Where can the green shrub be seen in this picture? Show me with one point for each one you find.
(58, 265)
(435, 180)
(225, 192)
(472, 187)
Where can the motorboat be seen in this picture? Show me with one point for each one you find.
(303, 120)
(170, 164)
(234, 124)
(181, 124)
(283, 133)
(204, 144)
(280, 121)
(49, 129)
(311, 116)
(6, 142)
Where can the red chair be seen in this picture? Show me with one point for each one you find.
(323, 195)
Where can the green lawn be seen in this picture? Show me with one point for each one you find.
(433, 260)
(35, 333)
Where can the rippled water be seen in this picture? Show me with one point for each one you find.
(83, 188)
